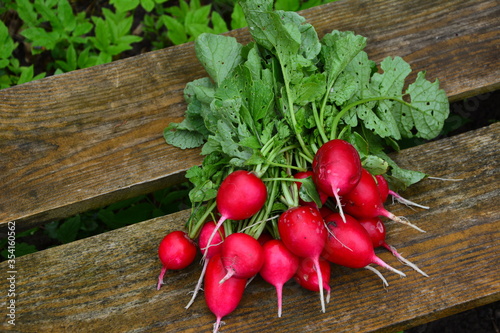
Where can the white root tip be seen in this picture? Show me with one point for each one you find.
(217, 325)
(406, 202)
(403, 220)
(447, 179)
(406, 261)
(250, 280)
(374, 270)
(198, 285)
(339, 205)
(320, 283)
(380, 262)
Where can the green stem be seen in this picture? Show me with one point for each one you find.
(194, 229)
(291, 111)
(319, 123)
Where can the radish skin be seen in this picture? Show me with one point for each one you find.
(337, 169)
(221, 299)
(385, 191)
(303, 232)
(364, 201)
(176, 251)
(279, 266)
(205, 233)
(241, 195)
(376, 229)
(350, 245)
(242, 256)
(307, 277)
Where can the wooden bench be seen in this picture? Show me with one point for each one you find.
(91, 137)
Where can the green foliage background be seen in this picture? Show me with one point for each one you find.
(40, 38)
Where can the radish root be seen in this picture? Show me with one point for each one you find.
(374, 270)
(403, 220)
(404, 260)
(406, 202)
(198, 285)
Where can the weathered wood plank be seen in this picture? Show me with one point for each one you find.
(84, 139)
(107, 282)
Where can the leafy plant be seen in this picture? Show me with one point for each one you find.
(112, 34)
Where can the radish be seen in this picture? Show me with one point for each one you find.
(205, 232)
(350, 245)
(221, 299)
(242, 256)
(337, 169)
(384, 190)
(307, 277)
(176, 251)
(364, 201)
(279, 266)
(264, 238)
(241, 195)
(376, 229)
(322, 196)
(303, 232)
(383, 187)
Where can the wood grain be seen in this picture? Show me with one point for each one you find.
(88, 138)
(107, 282)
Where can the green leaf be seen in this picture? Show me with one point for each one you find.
(218, 23)
(375, 165)
(310, 89)
(26, 74)
(176, 31)
(148, 5)
(309, 193)
(125, 5)
(183, 139)
(338, 50)
(218, 54)
(27, 13)
(428, 112)
(48, 14)
(68, 230)
(82, 28)
(66, 16)
(40, 37)
(238, 17)
(8, 45)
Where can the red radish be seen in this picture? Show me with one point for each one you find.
(322, 196)
(376, 229)
(279, 266)
(242, 256)
(384, 190)
(337, 169)
(205, 232)
(383, 187)
(303, 232)
(264, 238)
(221, 299)
(176, 251)
(349, 244)
(241, 195)
(307, 277)
(325, 211)
(364, 201)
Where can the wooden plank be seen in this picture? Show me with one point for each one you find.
(81, 140)
(108, 282)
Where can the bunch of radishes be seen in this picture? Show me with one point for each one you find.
(305, 240)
